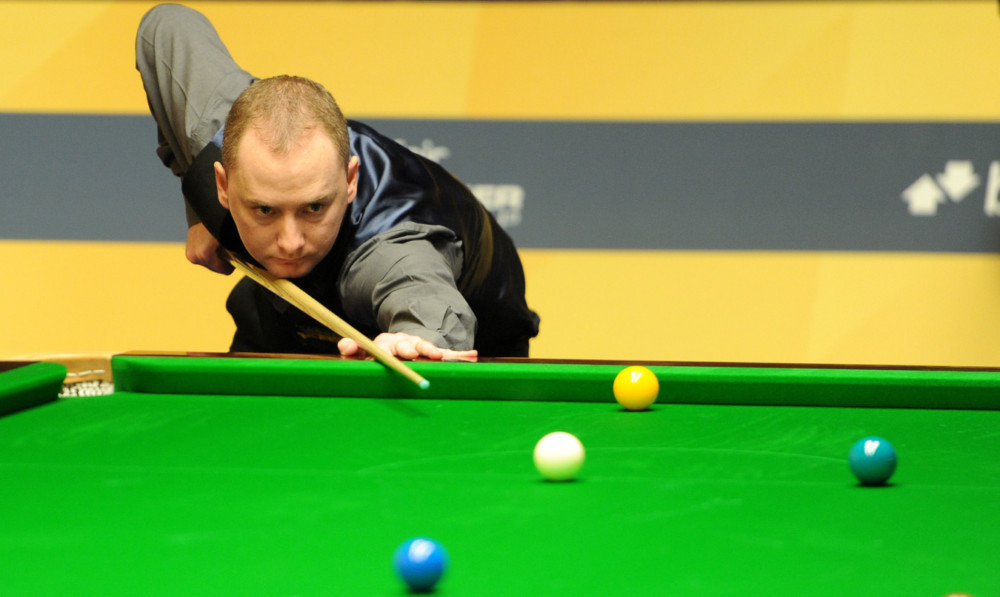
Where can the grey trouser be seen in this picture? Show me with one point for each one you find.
(190, 81)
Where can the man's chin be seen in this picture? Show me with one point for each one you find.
(289, 269)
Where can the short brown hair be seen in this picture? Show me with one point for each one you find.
(282, 109)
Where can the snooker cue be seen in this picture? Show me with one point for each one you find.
(313, 308)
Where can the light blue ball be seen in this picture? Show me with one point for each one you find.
(420, 562)
(872, 460)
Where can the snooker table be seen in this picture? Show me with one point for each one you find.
(234, 475)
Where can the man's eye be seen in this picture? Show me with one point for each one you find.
(264, 210)
(315, 208)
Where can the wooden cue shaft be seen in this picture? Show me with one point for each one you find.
(313, 308)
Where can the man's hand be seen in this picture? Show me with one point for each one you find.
(202, 249)
(405, 346)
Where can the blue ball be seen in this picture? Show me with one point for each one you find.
(873, 460)
(420, 562)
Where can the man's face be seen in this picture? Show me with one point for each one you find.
(288, 208)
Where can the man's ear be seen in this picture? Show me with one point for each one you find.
(222, 184)
(352, 178)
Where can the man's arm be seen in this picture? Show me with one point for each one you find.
(403, 283)
(190, 81)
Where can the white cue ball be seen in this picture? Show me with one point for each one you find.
(559, 456)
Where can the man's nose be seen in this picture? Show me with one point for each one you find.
(291, 238)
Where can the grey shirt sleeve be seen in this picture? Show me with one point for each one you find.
(404, 280)
(190, 80)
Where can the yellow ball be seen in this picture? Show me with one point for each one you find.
(636, 388)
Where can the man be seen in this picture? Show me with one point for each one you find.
(272, 171)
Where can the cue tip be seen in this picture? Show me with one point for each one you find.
(424, 384)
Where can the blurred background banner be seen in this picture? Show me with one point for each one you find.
(749, 181)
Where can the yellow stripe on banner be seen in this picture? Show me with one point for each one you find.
(72, 297)
(855, 308)
(827, 60)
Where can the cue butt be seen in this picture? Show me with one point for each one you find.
(313, 308)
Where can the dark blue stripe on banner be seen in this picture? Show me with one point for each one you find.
(803, 186)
